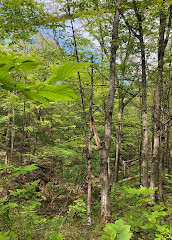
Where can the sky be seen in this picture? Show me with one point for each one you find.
(53, 6)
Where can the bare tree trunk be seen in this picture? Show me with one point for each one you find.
(118, 140)
(158, 94)
(87, 140)
(34, 141)
(144, 153)
(168, 146)
(89, 185)
(7, 137)
(170, 158)
(120, 115)
(161, 161)
(23, 129)
(12, 133)
(105, 144)
(105, 188)
(163, 156)
(90, 150)
(140, 143)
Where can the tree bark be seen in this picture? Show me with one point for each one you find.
(144, 153)
(155, 171)
(12, 133)
(170, 158)
(121, 106)
(106, 143)
(7, 137)
(87, 139)
(118, 141)
(23, 130)
(90, 150)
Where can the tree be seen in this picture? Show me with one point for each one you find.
(164, 31)
(20, 19)
(105, 144)
(140, 37)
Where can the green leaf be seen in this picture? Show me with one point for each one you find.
(58, 93)
(6, 81)
(5, 235)
(26, 66)
(36, 97)
(65, 71)
(13, 235)
(113, 235)
(25, 170)
(5, 59)
(109, 228)
(37, 86)
(123, 230)
(11, 205)
(125, 234)
(6, 166)
(56, 236)
(118, 231)
(104, 238)
(25, 59)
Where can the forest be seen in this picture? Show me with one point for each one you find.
(85, 119)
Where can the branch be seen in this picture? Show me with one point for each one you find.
(129, 100)
(169, 27)
(117, 86)
(101, 74)
(45, 39)
(134, 95)
(129, 26)
(95, 132)
(127, 179)
(167, 121)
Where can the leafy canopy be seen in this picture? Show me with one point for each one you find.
(42, 92)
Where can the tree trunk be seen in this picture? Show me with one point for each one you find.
(105, 144)
(23, 130)
(121, 106)
(87, 140)
(105, 187)
(161, 161)
(7, 137)
(155, 171)
(167, 158)
(144, 153)
(170, 158)
(168, 147)
(89, 158)
(118, 141)
(12, 133)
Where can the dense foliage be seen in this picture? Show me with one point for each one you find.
(55, 90)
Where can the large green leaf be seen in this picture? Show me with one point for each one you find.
(15, 63)
(26, 66)
(113, 235)
(118, 231)
(109, 228)
(58, 93)
(5, 59)
(37, 86)
(41, 92)
(36, 97)
(65, 71)
(25, 59)
(6, 81)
